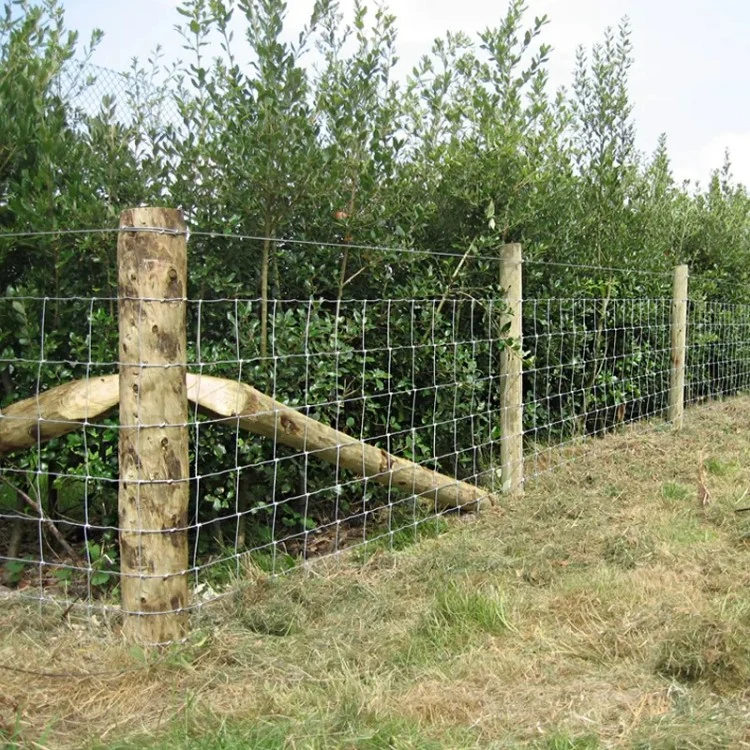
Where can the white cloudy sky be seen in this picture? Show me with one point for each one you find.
(689, 80)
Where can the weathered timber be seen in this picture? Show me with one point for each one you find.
(260, 414)
(56, 412)
(678, 335)
(263, 415)
(154, 490)
(511, 372)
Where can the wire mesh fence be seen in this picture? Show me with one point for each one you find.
(315, 425)
(126, 97)
(411, 378)
(718, 359)
(594, 365)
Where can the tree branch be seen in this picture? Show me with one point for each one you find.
(37, 508)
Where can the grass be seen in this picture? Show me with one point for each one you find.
(608, 607)
(461, 607)
(707, 648)
(360, 732)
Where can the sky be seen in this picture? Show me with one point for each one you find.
(692, 57)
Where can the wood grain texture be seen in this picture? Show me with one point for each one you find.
(511, 372)
(153, 453)
(56, 412)
(679, 335)
(256, 412)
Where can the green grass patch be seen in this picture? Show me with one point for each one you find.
(676, 492)
(461, 607)
(698, 725)
(457, 617)
(685, 529)
(401, 538)
(564, 741)
(721, 468)
(335, 731)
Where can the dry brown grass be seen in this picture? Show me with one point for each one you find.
(608, 607)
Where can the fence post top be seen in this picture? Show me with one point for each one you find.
(511, 252)
(153, 218)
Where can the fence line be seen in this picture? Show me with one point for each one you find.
(365, 424)
(342, 245)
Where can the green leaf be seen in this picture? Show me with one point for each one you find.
(100, 578)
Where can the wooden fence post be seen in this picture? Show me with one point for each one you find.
(678, 329)
(511, 372)
(154, 489)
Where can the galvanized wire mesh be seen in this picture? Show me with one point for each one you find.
(416, 380)
(89, 89)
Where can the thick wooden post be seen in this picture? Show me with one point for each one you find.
(154, 489)
(511, 372)
(679, 330)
